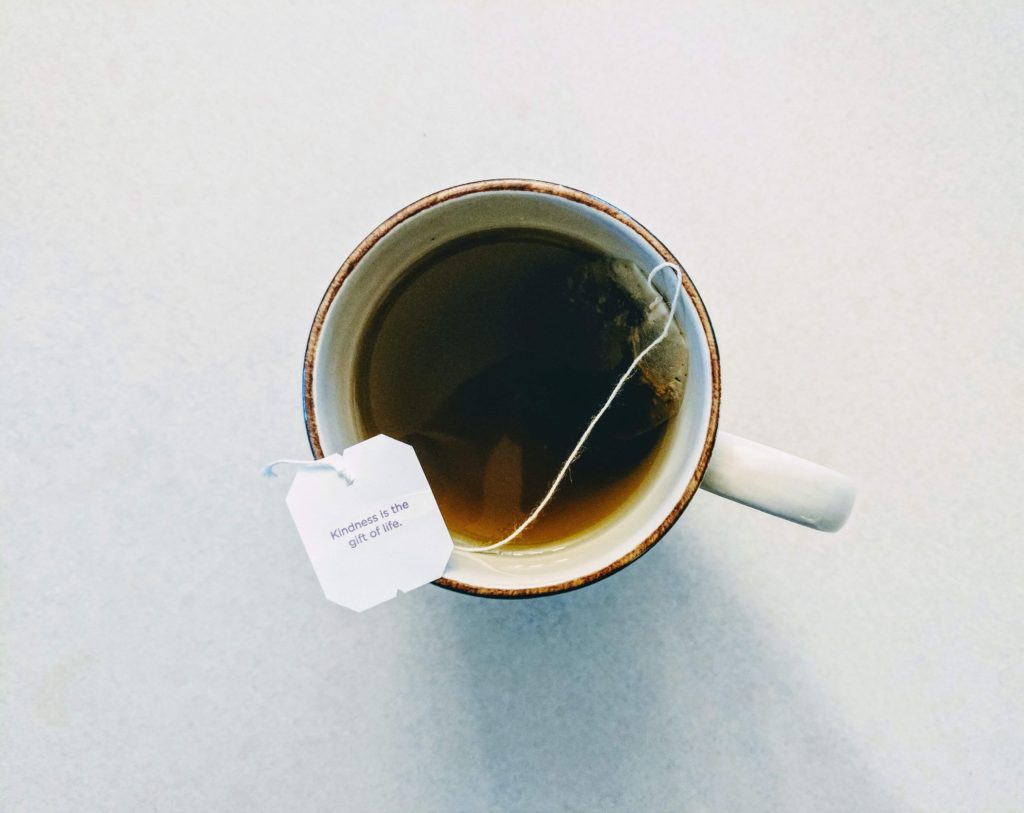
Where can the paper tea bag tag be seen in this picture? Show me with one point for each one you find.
(370, 523)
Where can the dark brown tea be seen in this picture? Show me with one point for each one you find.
(490, 357)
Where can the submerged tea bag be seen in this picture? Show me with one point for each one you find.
(493, 448)
(602, 316)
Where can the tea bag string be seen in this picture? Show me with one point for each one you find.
(323, 462)
(578, 448)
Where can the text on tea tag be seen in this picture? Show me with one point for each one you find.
(369, 522)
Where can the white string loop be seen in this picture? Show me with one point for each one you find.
(268, 470)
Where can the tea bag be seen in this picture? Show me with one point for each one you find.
(498, 441)
(602, 315)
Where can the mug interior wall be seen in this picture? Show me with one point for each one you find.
(375, 276)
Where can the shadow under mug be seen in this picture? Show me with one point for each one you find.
(694, 453)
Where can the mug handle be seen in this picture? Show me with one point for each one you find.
(779, 483)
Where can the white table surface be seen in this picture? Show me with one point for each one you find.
(178, 183)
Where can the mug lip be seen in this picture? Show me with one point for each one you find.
(576, 196)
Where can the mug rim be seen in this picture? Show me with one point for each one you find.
(576, 196)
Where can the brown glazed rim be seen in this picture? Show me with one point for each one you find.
(575, 195)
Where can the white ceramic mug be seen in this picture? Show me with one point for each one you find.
(696, 455)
